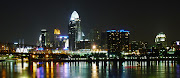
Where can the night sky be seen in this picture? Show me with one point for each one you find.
(145, 19)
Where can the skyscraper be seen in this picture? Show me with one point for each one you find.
(117, 41)
(74, 31)
(160, 40)
(64, 42)
(56, 38)
(43, 37)
(94, 36)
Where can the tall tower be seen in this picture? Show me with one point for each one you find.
(117, 41)
(74, 31)
(56, 37)
(44, 37)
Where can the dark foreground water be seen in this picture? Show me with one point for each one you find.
(152, 69)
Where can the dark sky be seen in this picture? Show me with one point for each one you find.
(145, 19)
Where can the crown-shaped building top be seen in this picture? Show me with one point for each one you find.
(74, 16)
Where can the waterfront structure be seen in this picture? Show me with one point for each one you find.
(117, 41)
(160, 40)
(74, 31)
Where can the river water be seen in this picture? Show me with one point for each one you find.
(152, 69)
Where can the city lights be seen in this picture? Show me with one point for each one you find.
(94, 47)
(97, 48)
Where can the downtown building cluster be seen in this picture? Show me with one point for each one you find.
(112, 42)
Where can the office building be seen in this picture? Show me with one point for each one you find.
(117, 41)
(56, 38)
(44, 39)
(74, 31)
(160, 41)
(64, 42)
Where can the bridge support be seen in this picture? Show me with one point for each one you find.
(22, 60)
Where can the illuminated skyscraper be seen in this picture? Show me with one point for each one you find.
(117, 41)
(56, 37)
(160, 40)
(43, 37)
(64, 42)
(74, 31)
(57, 31)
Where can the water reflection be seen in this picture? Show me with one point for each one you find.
(94, 71)
(13, 69)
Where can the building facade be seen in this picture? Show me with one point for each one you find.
(161, 41)
(56, 38)
(117, 41)
(74, 31)
(64, 42)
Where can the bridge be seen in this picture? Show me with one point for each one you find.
(66, 58)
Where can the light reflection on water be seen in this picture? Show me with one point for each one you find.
(161, 69)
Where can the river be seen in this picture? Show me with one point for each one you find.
(130, 69)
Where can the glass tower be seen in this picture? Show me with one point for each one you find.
(74, 31)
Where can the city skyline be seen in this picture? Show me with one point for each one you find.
(21, 20)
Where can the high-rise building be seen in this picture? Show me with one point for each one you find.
(134, 46)
(117, 41)
(74, 31)
(160, 40)
(56, 37)
(137, 45)
(64, 42)
(84, 44)
(44, 39)
(103, 40)
(94, 36)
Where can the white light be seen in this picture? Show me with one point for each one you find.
(94, 47)
(43, 30)
(74, 15)
(162, 39)
(15, 43)
(40, 38)
(177, 42)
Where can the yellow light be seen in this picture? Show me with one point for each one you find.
(57, 31)
(47, 55)
(33, 56)
(94, 46)
(47, 69)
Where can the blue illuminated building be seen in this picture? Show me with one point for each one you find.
(64, 42)
(118, 31)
